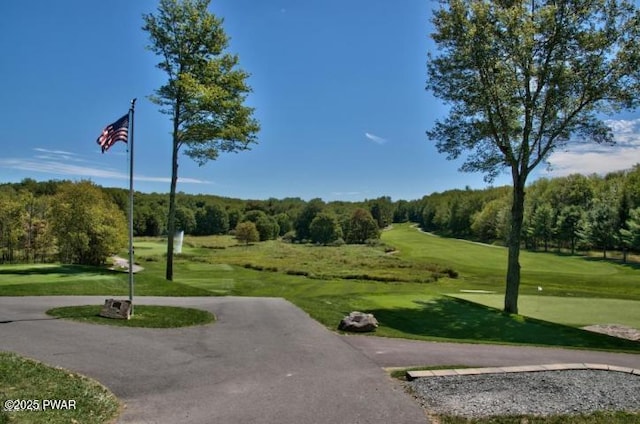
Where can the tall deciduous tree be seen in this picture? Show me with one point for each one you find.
(570, 225)
(311, 209)
(87, 225)
(246, 232)
(360, 227)
(205, 91)
(325, 228)
(523, 77)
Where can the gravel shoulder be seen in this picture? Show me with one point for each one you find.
(536, 393)
(539, 393)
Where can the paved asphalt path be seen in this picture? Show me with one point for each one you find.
(263, 361)
(388, 352)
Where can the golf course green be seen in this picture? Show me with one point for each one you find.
(418, 285)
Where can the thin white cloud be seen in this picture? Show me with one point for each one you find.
(56, 162)
(600, 159)
(57, 155)
(346, 193)
(375, 138)
(55, 152)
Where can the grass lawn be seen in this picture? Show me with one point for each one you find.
(404, 289)
(22, 378)
(405, 283)
(573, 311)
(51, 280)
(147, 316)
(484, 267)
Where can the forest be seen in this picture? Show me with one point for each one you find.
(80, 222)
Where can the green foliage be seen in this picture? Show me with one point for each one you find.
(266, 225)
(360, 227)
(235, 217)
(382, 211)
(185, 219)
(544, 221)
(205, 90)
(401, 211)
(87, 226)
(284, 223)
(149, 218)
(487, 224)
(212, 219)
(302, 223)
(246, 232)
(25, 230)
(601, 226)
(325, 228)
(11, 224)
(631, 234)
(522, 79)
(571, 225)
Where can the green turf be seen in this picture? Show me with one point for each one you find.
(147, 316)
(330, 282)
(25, 379)
(483, 267)
(49, 280)
(578, 312)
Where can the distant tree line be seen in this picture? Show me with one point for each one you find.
(575, 212)
(65, 221)
(84, 223)
(80, 222)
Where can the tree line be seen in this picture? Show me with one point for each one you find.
(80, 222)
(575, 212)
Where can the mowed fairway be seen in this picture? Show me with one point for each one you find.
(408, 289)
(578, 312)
(484, 267)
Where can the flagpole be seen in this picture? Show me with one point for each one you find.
(131, 113)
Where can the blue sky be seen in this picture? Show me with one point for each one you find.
(338, 88)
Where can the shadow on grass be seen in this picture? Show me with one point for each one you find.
(10, 321)
(616, 261)
(457, 319)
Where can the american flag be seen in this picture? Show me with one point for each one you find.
(118, 131)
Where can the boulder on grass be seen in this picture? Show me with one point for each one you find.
(358, 322)
(116, 309)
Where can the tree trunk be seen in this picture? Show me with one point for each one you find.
(171, 222)
(513, 264)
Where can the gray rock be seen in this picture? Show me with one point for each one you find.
(358, 322)
(116, 309)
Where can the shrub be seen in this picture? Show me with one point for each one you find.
(247, 232)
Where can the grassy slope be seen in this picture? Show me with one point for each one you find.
(483, 267)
